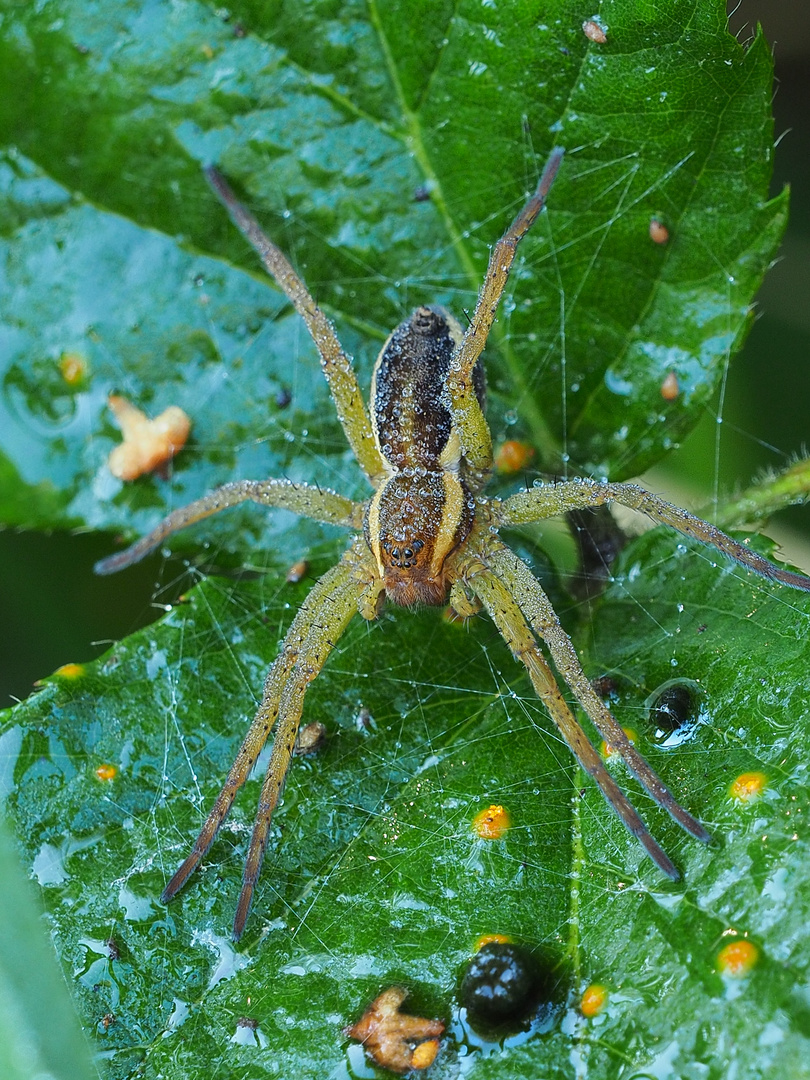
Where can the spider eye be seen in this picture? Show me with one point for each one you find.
(403, 558)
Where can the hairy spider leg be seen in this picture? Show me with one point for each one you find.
(334, 607)
(335, 364)
(318, 625)
(551, 500)
(320, 504)
(476, 440)
(508, 618)
(537, 608)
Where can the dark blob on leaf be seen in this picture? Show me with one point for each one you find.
(674, 708)
(501, 983)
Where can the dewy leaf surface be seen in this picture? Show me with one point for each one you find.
(333, 122)
(329, 119)
(374, 875)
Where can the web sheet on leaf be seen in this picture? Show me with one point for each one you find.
(428, 724)
(380, 821)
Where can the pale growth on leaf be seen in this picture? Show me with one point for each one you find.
(393, 1039)
(148, 444)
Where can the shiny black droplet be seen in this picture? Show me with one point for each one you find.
(500, 983)
(674, 708)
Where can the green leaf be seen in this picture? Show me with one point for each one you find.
(39, 1031)
(374, 875)
(329, 118)
(330, 121)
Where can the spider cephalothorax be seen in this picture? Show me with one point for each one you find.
(426, 532)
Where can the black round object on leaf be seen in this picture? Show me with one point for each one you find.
(500, 983)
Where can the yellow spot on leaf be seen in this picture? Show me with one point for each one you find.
(106, 772)
(737, 958)
(492, 823)
(73, 367)
(70, 671)
(748, 786)
(610, 751)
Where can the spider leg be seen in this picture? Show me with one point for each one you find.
(550, 500)
(336, 365)
(540, 613)
(508, 618)
(317, 503)
(476, 441)
(318, 624)
(335, 609)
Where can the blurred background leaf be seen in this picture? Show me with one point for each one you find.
(39, 1031)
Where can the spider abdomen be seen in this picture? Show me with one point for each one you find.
(410, 419)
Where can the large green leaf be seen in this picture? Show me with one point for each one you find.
(330, 119)
(374, 875)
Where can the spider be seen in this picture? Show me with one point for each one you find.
(426, 535)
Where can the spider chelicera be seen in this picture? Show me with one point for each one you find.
(426, 535)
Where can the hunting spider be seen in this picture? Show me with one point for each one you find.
(425, 535)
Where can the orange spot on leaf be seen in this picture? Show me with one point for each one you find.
(670, 388)
(594, 999)
(297, 571)
(659, 233)
(491, 939)
(425, 1054)
(492, 823)
(737, 958)
(106, 772)
(512, 456)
